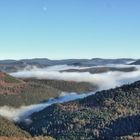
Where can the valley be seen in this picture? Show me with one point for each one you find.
(70, 102)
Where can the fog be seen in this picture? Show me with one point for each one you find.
(104, 81)
(22, 113)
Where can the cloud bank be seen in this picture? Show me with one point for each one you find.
(102, 80)
(105, 80)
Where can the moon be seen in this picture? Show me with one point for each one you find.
(44, 9)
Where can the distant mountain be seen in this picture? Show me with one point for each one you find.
(107, 115)
(99, 61)
(15, 65)
(101, 69)
(136, 62)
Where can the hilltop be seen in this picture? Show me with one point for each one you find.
(7, 79)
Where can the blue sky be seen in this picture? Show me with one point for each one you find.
(59, 29)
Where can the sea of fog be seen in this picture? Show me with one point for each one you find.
(104, 81)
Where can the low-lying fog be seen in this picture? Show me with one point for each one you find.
(22, 113)
(105, 80)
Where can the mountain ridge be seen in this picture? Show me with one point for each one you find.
(15, 65)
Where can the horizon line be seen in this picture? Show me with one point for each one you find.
(68, 58)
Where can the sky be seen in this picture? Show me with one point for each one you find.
(61, 29)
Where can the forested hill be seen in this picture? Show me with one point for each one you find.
(110, 114)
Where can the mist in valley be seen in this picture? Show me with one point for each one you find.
(104, 81)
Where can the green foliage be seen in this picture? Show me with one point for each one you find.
(68, 86)
(23, 138)
(35, 91)
(101, 69)
(31, 93)
(10, 79)
(97, 117)
(9, 129)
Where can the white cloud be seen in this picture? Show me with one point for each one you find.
(103, 80)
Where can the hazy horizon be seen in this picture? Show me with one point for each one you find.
(64, 58)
